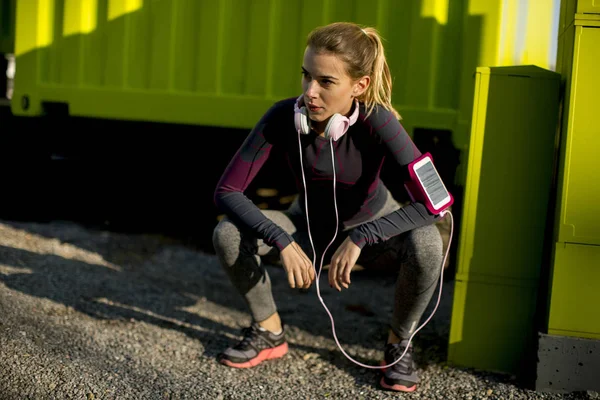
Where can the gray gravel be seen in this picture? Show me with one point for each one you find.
(87, 314)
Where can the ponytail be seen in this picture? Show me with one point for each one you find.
(362, 51)
(380, 89)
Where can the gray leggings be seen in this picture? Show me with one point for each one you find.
(416, 255)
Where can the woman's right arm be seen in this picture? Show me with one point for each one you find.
(229, 194)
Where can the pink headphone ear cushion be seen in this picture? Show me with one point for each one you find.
(337, 126)
(301, 121)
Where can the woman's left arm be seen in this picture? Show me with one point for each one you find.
(414, 215)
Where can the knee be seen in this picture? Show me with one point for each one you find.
(225, 235)
(427, 240)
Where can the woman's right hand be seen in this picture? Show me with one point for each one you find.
(298, 266)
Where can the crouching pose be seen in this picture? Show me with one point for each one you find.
(344, 119)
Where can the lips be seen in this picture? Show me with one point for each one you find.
(313, 108)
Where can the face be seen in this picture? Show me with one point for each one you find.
(328, 89)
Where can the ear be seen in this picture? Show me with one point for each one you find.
(361, 85)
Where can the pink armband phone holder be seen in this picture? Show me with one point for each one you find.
(426, 185)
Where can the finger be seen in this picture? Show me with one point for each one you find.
(308, 268)
(306, 277)
(332, 271)
(291, 279)
(340, 276)
(333, 275)
(342, 283)
(298, 277)
(345, 282)
(347, 272)
(336, 286)
(312, 272)
(336, 282)
(340, 271)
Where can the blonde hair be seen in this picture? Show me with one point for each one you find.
(362, 51)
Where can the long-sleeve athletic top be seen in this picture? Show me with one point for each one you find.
(359, 157)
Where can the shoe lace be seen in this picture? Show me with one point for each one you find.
(405, 365)
(249, 335)
(252, 337)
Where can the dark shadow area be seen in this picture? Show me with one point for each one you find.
(3, 78)
(78, 284)
(123, 176)
(446, 158)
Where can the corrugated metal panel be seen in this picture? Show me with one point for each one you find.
(219, 62)
(588, 6)
(224, 62)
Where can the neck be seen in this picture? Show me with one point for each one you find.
(319, 127)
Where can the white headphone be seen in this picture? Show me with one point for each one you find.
(336, 127)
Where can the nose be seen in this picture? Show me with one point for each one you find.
(312, 89)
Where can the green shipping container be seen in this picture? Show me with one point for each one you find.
(223, 62)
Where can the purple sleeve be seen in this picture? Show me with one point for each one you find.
(414, 215)
(229, 194)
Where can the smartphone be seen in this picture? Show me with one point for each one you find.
(426, 185)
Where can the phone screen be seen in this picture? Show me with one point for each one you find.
(432, 183)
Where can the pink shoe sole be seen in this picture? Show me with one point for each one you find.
(397, 388)
(268, 354)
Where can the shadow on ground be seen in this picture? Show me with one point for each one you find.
(162, 282)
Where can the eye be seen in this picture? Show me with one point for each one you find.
(326, 82)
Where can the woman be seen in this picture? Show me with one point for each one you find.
(346, 104)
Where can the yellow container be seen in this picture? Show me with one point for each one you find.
(507, 192)
(577, 9)
(492, 326)
(223, 62)
(220, 62)
(588, 6)
(574, 294)
(578, 219)
(509, 174)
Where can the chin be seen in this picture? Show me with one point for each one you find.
(319, 117)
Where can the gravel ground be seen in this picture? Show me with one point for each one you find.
(88, 314)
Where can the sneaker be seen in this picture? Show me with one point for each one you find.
(257, 346)
(402, 376)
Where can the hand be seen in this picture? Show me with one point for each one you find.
(342, 263)
(300, 270)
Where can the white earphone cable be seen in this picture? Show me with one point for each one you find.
(325, 252)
